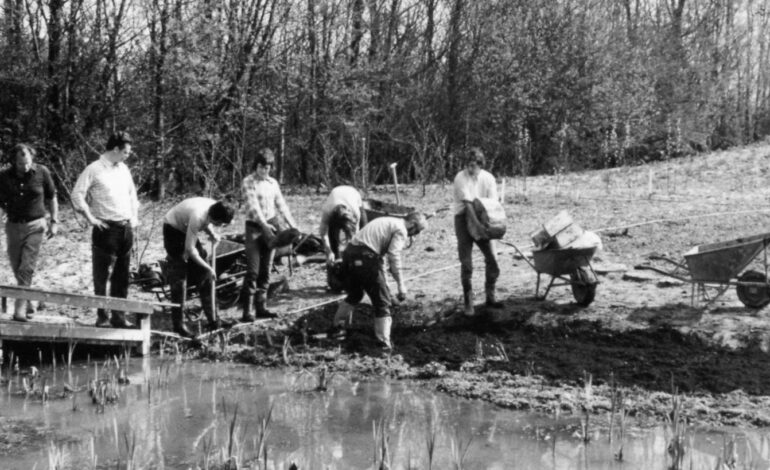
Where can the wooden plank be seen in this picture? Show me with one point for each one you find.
(32, 331)
(81, 300)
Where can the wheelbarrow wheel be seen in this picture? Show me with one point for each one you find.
(753, 296)
(583, 286)
(228, 297)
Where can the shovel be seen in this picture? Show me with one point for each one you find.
(395, 181)
(214, 312)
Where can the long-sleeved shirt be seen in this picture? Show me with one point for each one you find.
(346, 195)
(107, 190)
(468, 188)
(386, 236)
(24, 197)
(263, 199)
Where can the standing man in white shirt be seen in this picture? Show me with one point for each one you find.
(470, 183)
(264, 201)
(363, 262)
(105, 194)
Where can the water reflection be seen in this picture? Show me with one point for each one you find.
(183, 415)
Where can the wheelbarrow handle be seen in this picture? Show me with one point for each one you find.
(524, 257)
(661, 271)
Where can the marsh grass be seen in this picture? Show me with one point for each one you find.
(677, 427)
(458, 447)
(381, 445)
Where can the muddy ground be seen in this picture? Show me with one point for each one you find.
(641, 337)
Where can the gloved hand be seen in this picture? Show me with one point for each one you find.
(401, 296)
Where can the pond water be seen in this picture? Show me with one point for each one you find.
(194, 415)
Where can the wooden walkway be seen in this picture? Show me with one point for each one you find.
(66, 330)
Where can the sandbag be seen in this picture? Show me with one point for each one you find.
(490, 221)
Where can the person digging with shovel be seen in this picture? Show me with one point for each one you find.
(186, 258)
(363, 263)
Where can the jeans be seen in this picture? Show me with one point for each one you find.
(24, 241)
(111, 251)
(365, 273)
(257, 262)
(465, 252)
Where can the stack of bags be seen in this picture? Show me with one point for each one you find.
(562, 232)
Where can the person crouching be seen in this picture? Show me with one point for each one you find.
(186, 257)
(363, 263)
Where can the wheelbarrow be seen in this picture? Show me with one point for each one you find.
(720, 265)
(375, 208)
(571, 266)
(230, 268)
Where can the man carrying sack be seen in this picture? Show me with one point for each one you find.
(470, 184)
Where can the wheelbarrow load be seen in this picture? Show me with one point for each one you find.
(563, 251)
(717, 266)
(375, 208)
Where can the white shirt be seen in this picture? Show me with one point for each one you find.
(346, 195)
(108, 190)
(468, 188)
(386, 236)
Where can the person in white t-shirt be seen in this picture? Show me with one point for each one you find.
(363, 263)
(470, 183)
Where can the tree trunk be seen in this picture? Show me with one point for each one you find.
(53, 99)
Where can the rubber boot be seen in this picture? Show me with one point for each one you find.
(177, 321)
(491, 299)
(261, 305)
(468, 302)
(248, 308)
(211, 316)
(102, 319)
(342, 319)
(119, 320)
(20, 310)
(382, 331)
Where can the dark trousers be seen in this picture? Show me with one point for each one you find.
(257, 262)
(338, 236)
(365, 273)
(111, 251)
(465, 252)
(24, 241)
(178, 269)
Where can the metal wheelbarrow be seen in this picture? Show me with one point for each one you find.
(720, 265)
(571, 266)
(230, 267)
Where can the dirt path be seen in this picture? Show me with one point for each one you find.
(640, 334)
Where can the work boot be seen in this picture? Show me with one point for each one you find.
(382, 332)
(491, 300)
(118, 320)
(248, 308)
(342, 319)
(468, 302)
(260, 302)
(211, 316)
(20, 310)
(177, 320)
(102, 319)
